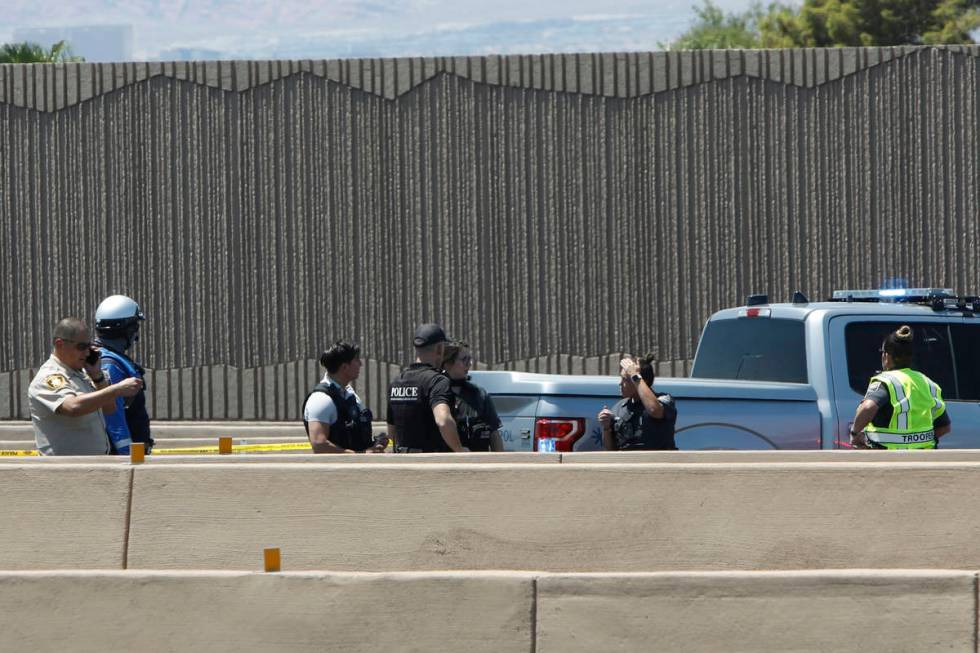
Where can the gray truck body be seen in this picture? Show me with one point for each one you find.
(791, 378)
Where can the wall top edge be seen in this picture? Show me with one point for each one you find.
(52, 87)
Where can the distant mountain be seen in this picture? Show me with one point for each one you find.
(511, 37)
(304, 29)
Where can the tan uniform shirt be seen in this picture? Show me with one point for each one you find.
(60, 434)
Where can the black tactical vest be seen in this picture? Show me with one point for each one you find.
(352, 430)
(474, 431)
(410, 412)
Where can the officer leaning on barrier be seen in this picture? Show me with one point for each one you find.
(476, 417)
(643, 419)
(70, 393)
(117, 324)
(420, 399)
(903, 408)
(335, 419)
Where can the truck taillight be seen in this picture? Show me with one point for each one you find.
(562, 432)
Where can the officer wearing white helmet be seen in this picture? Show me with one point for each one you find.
(117, 323)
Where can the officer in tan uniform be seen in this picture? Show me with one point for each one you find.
(69, 394)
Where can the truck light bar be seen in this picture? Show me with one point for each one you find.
(894, 293)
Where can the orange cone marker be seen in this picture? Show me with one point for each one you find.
(272, 559)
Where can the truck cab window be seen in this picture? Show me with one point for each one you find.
(752, 349)
(933, 354)
(966, 348)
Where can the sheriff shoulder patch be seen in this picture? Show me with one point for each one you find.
(55, 381)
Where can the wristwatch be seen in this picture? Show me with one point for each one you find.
(636, 378)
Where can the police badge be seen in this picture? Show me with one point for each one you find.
(55, 381)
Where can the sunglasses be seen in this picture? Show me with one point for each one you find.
(80, 346)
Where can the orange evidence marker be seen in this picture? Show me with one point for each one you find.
(224, 444)
(137, 453)
(272, 559)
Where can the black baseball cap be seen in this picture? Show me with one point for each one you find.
(429, 334)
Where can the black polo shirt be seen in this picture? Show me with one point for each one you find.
(635, 429)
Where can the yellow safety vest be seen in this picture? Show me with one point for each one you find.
(916, 402)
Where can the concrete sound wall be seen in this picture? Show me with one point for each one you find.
(855, 611)
(261, 210)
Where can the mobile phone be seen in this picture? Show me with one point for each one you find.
(93, 356)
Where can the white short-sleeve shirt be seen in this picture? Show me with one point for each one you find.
(320, 407)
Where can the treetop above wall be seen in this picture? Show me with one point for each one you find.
(51, 87)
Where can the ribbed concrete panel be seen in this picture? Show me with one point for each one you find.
(47, 87)
(548, 209)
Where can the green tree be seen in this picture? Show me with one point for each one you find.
(834, 23)
(34, 53)
(714, 29)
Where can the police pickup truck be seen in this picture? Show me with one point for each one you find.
(769, 376)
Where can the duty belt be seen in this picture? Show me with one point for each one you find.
(900, 438)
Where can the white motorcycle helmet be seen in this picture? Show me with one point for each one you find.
(118, 316)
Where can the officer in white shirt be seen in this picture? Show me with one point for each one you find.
(335, 419)
(70, 393)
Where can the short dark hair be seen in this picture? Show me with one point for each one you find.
(70, 328)
(899, 345)
(646, 368)
(339, 353)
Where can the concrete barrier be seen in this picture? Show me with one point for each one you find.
(771, 456)
(63, 516)
(840, 611)
(296, 457)
(792, 611)
(243, 612)
(561, 518)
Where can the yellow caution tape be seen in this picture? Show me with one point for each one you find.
(237, 448)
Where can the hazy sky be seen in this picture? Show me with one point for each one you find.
(299, 29)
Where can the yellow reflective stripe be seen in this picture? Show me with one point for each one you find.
(21, 452)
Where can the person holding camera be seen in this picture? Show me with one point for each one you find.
(117, 323)
(69, 395)
(476, 417)
(335, 419)
(643, 419)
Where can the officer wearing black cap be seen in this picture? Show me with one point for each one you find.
(420, 399)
